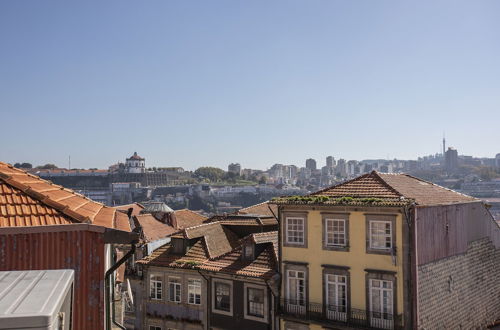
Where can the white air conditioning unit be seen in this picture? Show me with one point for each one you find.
(36, 299)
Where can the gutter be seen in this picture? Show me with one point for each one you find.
(209, 298)
(110, 295)
(410, 216)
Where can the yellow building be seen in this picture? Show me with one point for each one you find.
(345, 256)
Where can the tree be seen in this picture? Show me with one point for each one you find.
(47, 167)
(262, 180)
(212, 173)
(23, 165)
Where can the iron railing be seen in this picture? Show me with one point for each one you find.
(341, 315)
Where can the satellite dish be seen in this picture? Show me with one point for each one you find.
(129, 291)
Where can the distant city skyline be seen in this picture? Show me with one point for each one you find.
(320, 162)
(210, 83)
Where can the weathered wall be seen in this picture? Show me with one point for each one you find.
(62, 248)
(446, 230)
(462, 291)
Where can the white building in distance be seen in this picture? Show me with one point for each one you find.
(135, 164)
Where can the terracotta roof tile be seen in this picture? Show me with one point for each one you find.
(424, 192)
(152, 228)
(264, 265)
(260, 209)
(136, 208)
(186, 218)
(27, 200)
(394, 187)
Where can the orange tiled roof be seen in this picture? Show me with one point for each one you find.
(186, 218)
(260, 209)
(264, 265)
(28, 200)
(393, 187)
(136, 208)
(154, 229)
(218, 240)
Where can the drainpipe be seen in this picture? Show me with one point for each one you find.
(409, 212)
(208, 296)
(111, 294)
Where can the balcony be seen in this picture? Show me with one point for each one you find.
(339, 315)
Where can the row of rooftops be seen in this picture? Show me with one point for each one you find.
(217, 242)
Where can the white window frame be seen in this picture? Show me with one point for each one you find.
(384, 235)
(335, 281)
(303, 231)
(154, 285)
(214, 296)
(194, 291)
(377, 317)
(289, 278)
(329, 243)
(247, 286)
(175, 282)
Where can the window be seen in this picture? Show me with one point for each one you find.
(336, 296)
(248, 251)
(380, 235)
(155, 287)
(255, 303)
(295, 231)
(223, 296)
(174, 286)
(335, 232)
(155, 327)
(296, 287)
(381, 303)
(194, 292)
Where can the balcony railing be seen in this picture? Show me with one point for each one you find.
(340, 315)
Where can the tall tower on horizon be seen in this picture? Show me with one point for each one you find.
(444, 145)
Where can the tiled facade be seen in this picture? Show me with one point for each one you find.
(461, 292)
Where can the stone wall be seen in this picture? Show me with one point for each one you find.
(461, 292)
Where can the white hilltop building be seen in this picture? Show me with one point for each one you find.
(135, 164)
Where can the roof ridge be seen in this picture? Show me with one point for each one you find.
(377, 175)
(45, 199)
(258, 204)
(339, 184)
(373, 174)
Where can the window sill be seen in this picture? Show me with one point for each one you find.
(379, 251)
(256, 318)
(336, 248)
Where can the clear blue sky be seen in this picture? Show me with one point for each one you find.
(191, 83)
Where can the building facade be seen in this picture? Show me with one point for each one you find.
(135, 164)
(371, 252)
(219, 275)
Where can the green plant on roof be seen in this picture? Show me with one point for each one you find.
(192, 263)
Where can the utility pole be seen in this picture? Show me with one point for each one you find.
(69, 162)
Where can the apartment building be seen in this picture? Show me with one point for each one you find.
(218, 275)
(387, 251)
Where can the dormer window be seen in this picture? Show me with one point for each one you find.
(178, 245)
(248, 251)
